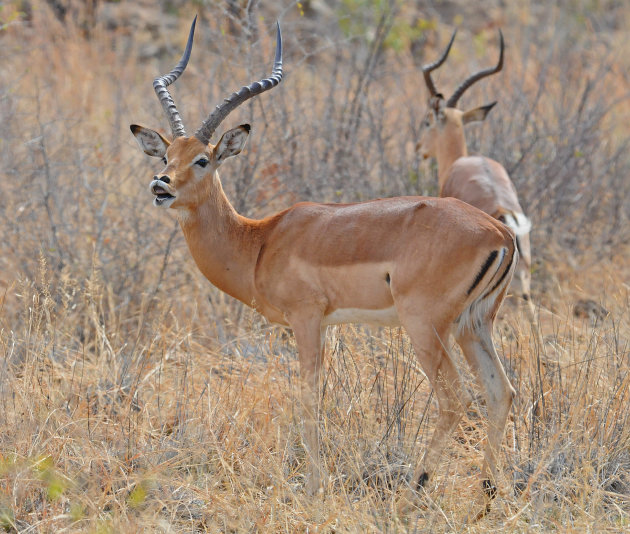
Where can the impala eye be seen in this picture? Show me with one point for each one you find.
(202, 162)
(164, 160)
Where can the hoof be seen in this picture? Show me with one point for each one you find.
(422, 480)
(482, 514)
(410, 499)
(489, 489)
(490, 492)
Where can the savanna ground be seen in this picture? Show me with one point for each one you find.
(136, 397)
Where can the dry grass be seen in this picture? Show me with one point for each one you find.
(135, 397)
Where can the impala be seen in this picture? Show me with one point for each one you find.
(434, 266)
(477, 180)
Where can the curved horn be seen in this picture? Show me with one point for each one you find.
(162, 82)
(207, 128)
(452, 101)
(426, 69)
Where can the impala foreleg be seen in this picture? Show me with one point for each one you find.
(310, 340)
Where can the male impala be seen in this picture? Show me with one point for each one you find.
(431, 265)
(477, 180)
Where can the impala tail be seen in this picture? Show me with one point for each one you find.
(518, 222)
(488, 289)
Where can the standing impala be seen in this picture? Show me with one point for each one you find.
(480, 181)
(434, 266)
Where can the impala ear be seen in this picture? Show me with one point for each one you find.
(477, 114)
(231, 143)
(436, 105)
(436, 102)
(150, 141)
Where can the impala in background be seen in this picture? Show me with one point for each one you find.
(435, 266)
(477, 180)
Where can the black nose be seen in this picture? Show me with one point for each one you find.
(163, 178)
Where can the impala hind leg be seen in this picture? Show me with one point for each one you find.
(477, 346)
(522, 282)
(310, 339)
(452, 399)
(523, 277)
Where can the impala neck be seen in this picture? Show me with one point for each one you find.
(223, 244)
(448, 152)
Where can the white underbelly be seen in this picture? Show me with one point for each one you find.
(384, 317)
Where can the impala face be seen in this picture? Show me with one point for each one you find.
(436, 125)
(186, 179)
(426, 143)
(444, 126)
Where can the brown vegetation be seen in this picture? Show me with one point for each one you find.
(134, 396)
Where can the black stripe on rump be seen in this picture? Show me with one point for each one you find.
(483, 271)
(507, 270)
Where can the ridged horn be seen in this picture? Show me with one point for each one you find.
(426, 69)
(161, 83)
(208, 127)
(452, 101)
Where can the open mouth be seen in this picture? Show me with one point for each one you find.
(162, 195)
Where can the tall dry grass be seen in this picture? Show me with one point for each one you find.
(136, 397)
